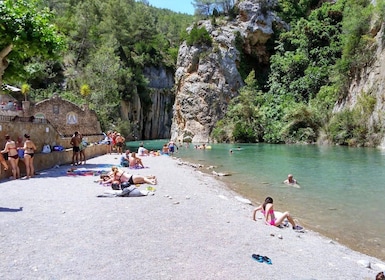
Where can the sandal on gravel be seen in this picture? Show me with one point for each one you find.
(267, 260)
(258, 258)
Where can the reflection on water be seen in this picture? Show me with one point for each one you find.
(342, 189)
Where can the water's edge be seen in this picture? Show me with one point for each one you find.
(341, 194)
(350, 243)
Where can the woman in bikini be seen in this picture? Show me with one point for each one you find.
(13, 157)
(267, 209)
(29, 152)
(122, 176)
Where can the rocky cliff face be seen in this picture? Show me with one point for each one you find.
(155, 122)
(370, 81)
(207, 78)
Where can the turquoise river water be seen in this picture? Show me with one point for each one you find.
(342, 192)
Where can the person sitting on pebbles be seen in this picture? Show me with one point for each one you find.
(121, 176)
(135, 162)
(267, 209)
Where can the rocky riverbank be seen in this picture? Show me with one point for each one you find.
(55, 226)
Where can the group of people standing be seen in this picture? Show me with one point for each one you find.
(115, 142)
(169, 148)
(15, 151)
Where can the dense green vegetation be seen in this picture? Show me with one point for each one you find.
(26, 33)
(310, 70)
(110, 42)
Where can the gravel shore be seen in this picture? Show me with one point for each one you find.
(55, 226)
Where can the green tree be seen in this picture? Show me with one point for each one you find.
(25, 88)
(203, 7)
(103, 74)
(198, 36)
(25, 32)
(243, 120)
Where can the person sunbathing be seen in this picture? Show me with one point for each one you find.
(121, 176)
(103, 178)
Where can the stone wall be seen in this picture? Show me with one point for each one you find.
(41, 134)
(65, 116)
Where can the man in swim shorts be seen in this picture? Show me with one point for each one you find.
(75, 142)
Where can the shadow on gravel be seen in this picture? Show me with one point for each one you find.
(5, 209)
(79, 170)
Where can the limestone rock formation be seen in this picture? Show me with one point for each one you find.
(207, 77)
(370, 81)
(153, 122)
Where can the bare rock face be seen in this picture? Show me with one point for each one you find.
(207, 77)
(370, 81)
(153, 122)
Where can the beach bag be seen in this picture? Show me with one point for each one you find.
(58, 148)
(115, 186)
(127, 190)
(46, 149)
(5, 156)
(125, 185)
(20, 153)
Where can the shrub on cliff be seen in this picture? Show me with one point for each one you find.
(198, 36)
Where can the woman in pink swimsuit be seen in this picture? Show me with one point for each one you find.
(267, 209)
(13, 156)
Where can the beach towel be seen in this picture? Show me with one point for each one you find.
(85, 172)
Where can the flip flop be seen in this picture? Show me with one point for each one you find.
(267, 260)
(258, 258)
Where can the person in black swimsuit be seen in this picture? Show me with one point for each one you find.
(121, 176)
(29, 151)
(13, 157)
(75, 142)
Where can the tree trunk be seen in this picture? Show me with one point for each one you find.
(3, 62)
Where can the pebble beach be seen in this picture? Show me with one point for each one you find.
(54, 226)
